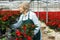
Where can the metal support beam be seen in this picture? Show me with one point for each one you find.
(47, 11)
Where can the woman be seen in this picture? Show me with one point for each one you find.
(26, 13)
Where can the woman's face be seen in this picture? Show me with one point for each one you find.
(21, 9)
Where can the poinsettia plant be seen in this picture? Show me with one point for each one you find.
(54, 25)
(25, 32)
(6, 19)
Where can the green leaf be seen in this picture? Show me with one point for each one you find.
(13, 34)
(3, 22)
(3, 38)
(0, 22)
(3, 28)
(7, 22)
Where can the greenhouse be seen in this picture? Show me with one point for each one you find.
(45, 15)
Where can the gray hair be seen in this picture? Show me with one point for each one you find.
(25, 5)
